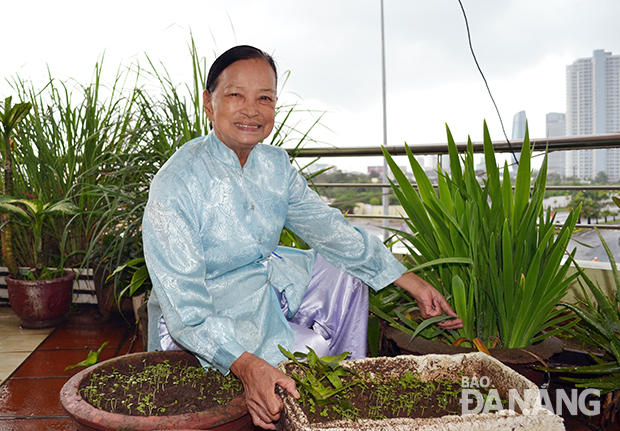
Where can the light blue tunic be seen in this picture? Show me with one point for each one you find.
(210, 229)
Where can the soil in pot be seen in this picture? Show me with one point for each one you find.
(376, 394)
(151, 394)
(529, 416)
(160, 389)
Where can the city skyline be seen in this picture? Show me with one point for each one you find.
(592, 107)
(329, 56)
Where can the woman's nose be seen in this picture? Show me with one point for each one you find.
(250, 108)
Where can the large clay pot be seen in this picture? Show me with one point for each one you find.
(41, 303)
(233, 416)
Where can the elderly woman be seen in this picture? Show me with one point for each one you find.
(222, 287)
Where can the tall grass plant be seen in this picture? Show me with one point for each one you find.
(487, 245)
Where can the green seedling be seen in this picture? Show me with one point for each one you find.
(92, 359)
(323, 376)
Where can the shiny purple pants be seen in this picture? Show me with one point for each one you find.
(332, 318)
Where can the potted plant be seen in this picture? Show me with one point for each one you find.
(410, 392)
(487, 246)
(39, 296)
(599, 326)
(130, 392)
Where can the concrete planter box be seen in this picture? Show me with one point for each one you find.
(475, 365)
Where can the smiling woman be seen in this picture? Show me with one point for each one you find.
(223, 286)
(241, 103)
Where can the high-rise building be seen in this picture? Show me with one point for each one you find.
(556, 127)
(593, 107)
(519, 122)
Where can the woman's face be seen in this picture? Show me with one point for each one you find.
(242, 106)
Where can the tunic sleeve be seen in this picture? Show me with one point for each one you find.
(325, 229)
(175, 259)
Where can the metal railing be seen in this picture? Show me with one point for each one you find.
(552, 144)
(571, 143)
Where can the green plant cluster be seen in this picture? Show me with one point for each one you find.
(599, 327)
(322, 377)
(487, 246)
(140, 392)
(329, 390)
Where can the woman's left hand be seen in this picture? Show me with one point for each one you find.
(430, 301)
(259, 380)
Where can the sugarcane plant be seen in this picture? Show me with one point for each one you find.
(10, 117)
(31, 213)
(487, 246)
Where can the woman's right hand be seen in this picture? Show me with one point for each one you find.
(259, 380)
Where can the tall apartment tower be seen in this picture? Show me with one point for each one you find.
(556, 127)
(519, 123)
(593, 107)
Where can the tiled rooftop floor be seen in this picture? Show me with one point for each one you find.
(33, 362)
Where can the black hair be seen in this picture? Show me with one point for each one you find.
(241, 52)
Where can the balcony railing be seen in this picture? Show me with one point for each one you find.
(551, 144)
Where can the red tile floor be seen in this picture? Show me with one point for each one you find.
(29, 398)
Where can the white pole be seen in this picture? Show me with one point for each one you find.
(386, 199)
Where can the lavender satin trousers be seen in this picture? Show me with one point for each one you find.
(332, 318)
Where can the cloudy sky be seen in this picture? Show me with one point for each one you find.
(332, 49)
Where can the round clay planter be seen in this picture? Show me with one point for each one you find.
(41, 303)
(233, 416)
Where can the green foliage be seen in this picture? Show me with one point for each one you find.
(32, 213)
(322, 377)
(10, 117)
(346, 198)
(139, 281)
(333, 391)
(91, 359)
(600, 327)
(488, 248)
(140, 390)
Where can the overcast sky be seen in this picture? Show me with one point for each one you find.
(333, 50)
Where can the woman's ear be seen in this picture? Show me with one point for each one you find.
(208, 106)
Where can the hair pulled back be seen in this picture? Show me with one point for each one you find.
(237, 53)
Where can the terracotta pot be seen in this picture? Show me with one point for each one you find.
(41, 303)
(233, 416)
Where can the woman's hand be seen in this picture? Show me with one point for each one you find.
(430, 301)
(259, 380)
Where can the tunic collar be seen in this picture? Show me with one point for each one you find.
(224, 154)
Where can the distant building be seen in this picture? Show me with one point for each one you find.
(519, 124)
(519, 121)
(315, 167)
(377, 169)
(556, 127)
(593, 107)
